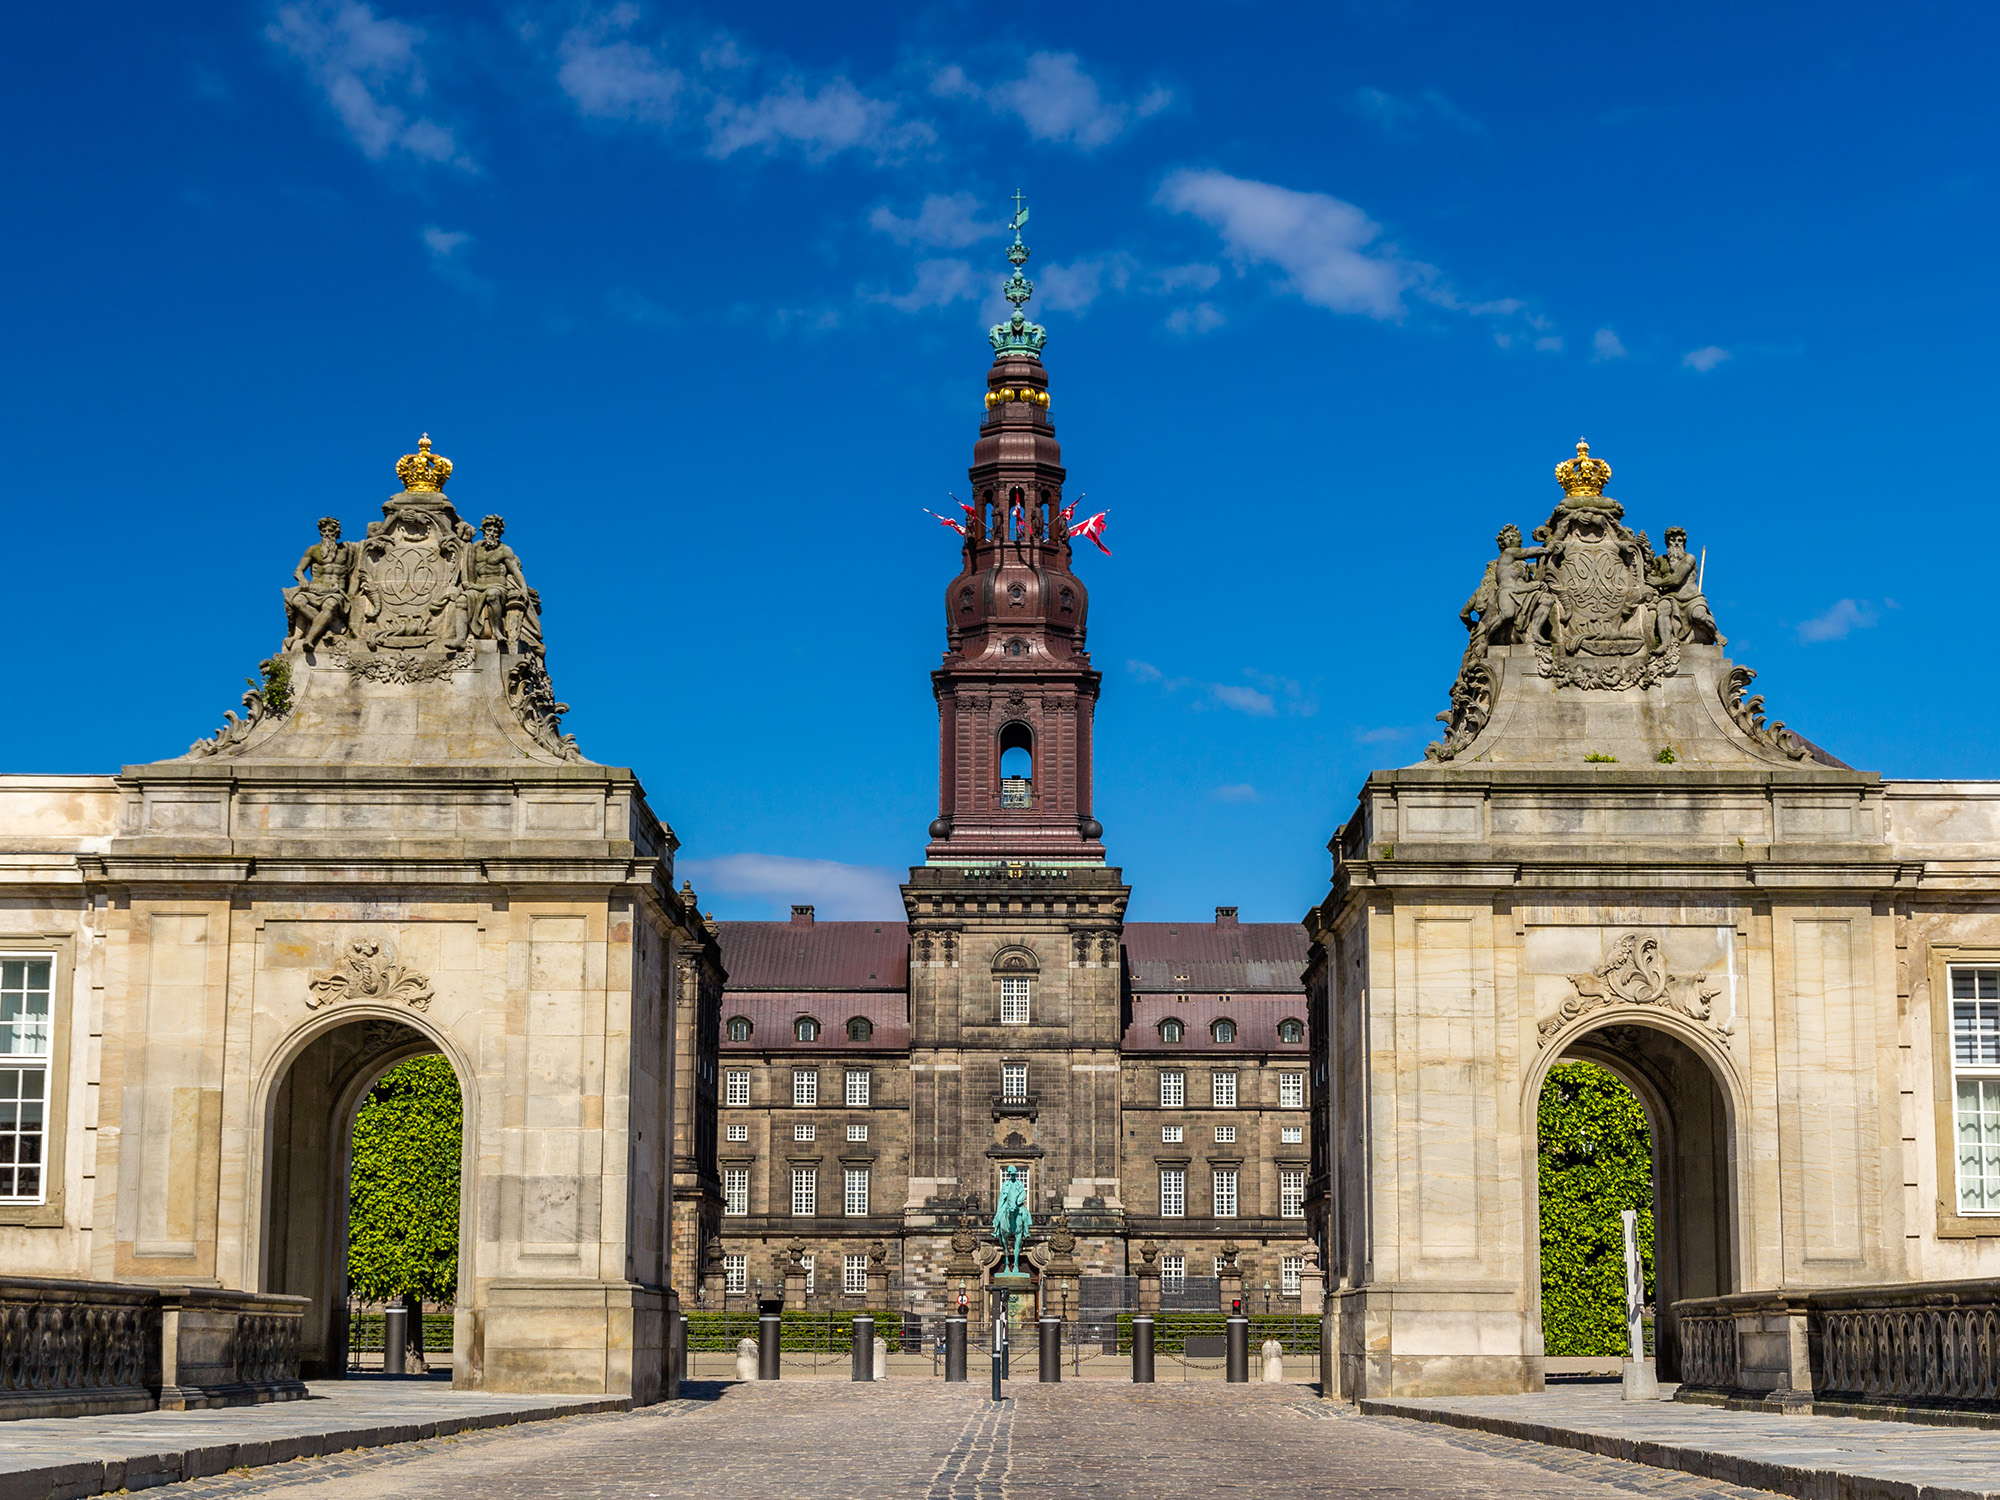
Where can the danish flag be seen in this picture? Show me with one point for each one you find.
(1093, 529)
(943, 520)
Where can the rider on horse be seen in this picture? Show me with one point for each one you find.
(1011, 1218)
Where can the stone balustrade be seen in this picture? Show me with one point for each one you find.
(1919, 1348)
(80, 1348)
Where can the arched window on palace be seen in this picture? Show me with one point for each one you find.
(1017, 766)
(1223, 1031)
(1171, 1030)
(1291, 1030)
(739, 1028)
(806, 1029)
(859, 1029)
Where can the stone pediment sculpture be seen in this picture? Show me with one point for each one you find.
(409, 604)
(362, 974)
(1636, 973)
(1597, 609)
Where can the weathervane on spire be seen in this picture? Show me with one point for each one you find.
(1017, 336)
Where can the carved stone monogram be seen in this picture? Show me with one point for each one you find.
(1635, 974)
(1601, 609)
(362, 974)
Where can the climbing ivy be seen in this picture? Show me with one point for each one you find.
(1596, 1161)
(402, 1212)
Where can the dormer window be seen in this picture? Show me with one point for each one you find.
(1291, 1030)
(859, 1029)
(806, 1029)
(739, 1028)
(1172, 1030)
(1223, 1031)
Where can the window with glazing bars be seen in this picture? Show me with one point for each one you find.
(1291, 1195)
(1225, 1192)
(736, 1190)
(857, 1190)
(735, 1275)
(1291, 1091)
(805, 1087)
(805, 1191)
(1173, 1090)
(25, 1051)
(1014, 1080)
(1223, 1091)
(1291, 1270)
(736, 1088)
(857, 1090)
(1013, 1002)
(1173, 1270)
(1975, 1066)
(854, 1275)
(1173, 1193)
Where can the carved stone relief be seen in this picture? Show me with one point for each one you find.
(1635, 973)
(361, 974)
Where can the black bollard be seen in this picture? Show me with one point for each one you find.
(998, 1341)
(954, 1349)
(1239, 1350)
(1142, 1349)
(864, 1348)
(1051, 1350)
(770, 1335)
(395, 1337)
(1006, 1341)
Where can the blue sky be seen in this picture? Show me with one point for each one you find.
(696, 299)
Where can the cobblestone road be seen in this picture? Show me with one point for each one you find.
(823, 1440)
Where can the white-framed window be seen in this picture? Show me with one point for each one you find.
(1222, 1089)
(1013, 1002)
(1291, 1195)
(27, 982)
(1173, 1193)
(1172, 1135)
(736, 1190)
(805, 1086)
(857, 1132)
(854, 1275)
(1291, 1135)
(857, 1088)
(1225, 1192)
(805, 1192)
(1290, 1270)
(1173, 1270)
(811, 1264)
(1218, 1265)
(804, 1132)
(857, 1190)
(1225, 1135)
(1173, 1089)
(1014, 1080)
(1291, 1091)
(735, 1275)
(738, 1132)
(1975, 1069)
(736, 1087)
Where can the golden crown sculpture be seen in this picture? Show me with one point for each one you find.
(1582, 475)
(423, 470)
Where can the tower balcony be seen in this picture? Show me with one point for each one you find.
(1016, 791)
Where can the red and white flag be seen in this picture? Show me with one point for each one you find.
(944, 520)
(1093, 529)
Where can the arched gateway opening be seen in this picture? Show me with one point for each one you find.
(308, 1166)
(1689, 1123)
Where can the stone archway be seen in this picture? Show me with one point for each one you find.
(309, 1137)
(1691, 1121)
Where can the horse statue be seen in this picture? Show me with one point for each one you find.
(1011, 1218)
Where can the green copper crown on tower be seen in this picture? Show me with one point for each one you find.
(1017, 335)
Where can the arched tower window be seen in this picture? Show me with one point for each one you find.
(1017, 765)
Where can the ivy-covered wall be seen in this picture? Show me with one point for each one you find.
(1596, 1161)
(402, 1212)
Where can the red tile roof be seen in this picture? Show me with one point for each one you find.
(816, 955)
(1225, 958)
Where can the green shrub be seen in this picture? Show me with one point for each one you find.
(800, 1332)
(1596, 1161)
(1171, 1331)
(402, 1211)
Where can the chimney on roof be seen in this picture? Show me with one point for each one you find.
(1225, 916)
(802, 916)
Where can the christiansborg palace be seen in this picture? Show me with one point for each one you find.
(1611, 854)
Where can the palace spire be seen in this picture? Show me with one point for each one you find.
(1016, 691)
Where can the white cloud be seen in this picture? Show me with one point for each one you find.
(1241, 791)
(1073, 287)
(1704, 359)
(1260, 700)
(837, 892)
(939, 284)
(368, 68)
(832, 118)
(1322, 244)
(1197, 277)
(1846, 615)
(1605, 344)
(445, 247)
(1056, 100)
(1145, 671)
(1200, 318)
(1380, 736)
(1399, 117)
(1549, 345)
(1247, 700)
(948, 221)
(611, 78)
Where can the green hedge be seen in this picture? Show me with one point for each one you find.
(402, 1212)
(803, 1332)
(1596, 1161)
(364, 1333)
(1171, 1331)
